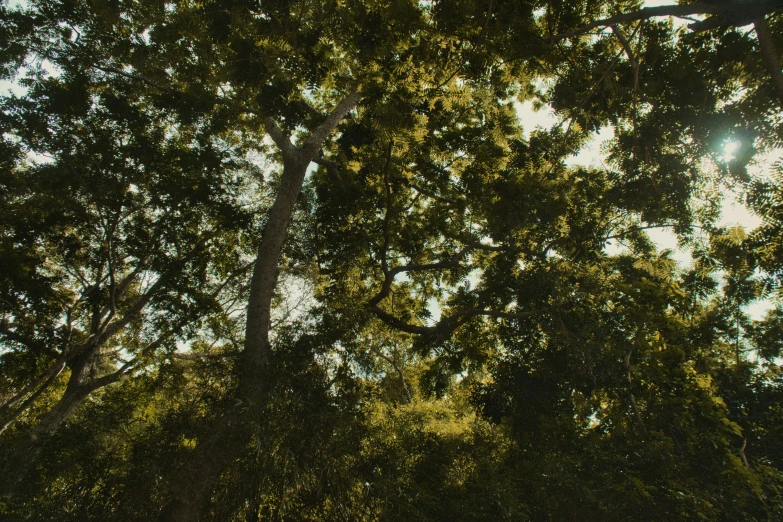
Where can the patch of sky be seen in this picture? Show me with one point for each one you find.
(533, 119)
(433, 307)
(591, 154)
(676, 21)
(12, 88)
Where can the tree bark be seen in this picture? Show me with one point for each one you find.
(770, 54)
(31, 391)
(231, 432)
(27, 452)
(74, 395)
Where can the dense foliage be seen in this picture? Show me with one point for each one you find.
(306, 260)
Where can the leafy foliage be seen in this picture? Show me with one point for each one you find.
(462, 321)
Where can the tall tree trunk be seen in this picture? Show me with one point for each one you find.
(212, 456)
(231, 433)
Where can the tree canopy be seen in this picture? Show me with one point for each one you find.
(309, 260)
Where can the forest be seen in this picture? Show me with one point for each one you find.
(317, 260)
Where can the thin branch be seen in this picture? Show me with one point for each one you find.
(648, 227)
(164, 88)
(496, 248)
(393, 362)
(390, 274)
(446, 325)
(481, 36)
(112, 279)
(123, 285)
(271, 127)
(131, 76)
(31, 343)
(74, 272)
(582, 103)
(742, 453)
(310, 146)
(26, 404)
(428, 192)
(631, 58)
(190, 356)
(109, 329)
(130, 366)
(486, 22)
(504, 315)
(452, 262)
(387, 215)
(637, 89)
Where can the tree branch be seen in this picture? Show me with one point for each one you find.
(36, 388)
(31, 343)
(742, 453)
(627, 361)
(266, 268)
(724, 14)
(426, 191)
(109, 329)
(277, 135)
(129, 367)
(646, 227)
(770, 54)
(331, 167)
(629, 53)
(447, 325)
(315, 141)
(393, 362)
(130, 76)
(387, 214)
(642, 14)
(190, 356)
(390, 274)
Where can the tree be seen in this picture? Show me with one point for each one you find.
(459, 269)
(113, 221)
